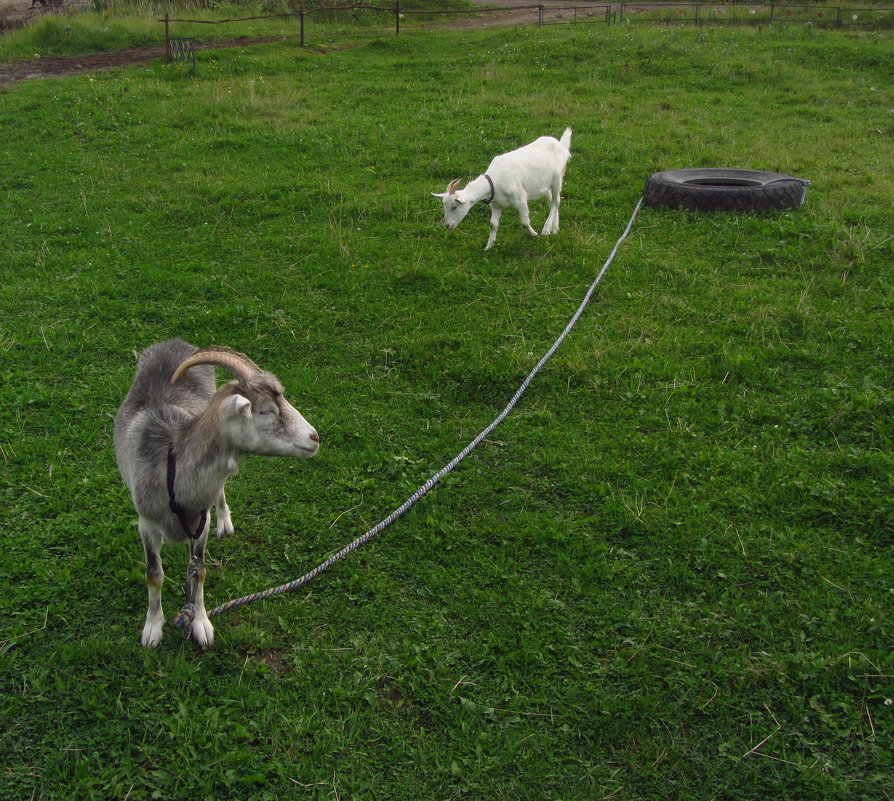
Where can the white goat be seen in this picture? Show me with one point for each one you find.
(512, 179)
(178, 438)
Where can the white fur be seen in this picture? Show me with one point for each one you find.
(528, 173)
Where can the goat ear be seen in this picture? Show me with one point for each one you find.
(439, 194)
(237, 404)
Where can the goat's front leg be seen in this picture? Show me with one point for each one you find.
(202, 630)
(155, 576)
(222, 515)
(495, 213)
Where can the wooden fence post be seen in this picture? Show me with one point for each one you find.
(301, 14)
(167, 37)
(397, 17)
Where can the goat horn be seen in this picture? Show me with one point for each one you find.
(453, 186)
(237, 363)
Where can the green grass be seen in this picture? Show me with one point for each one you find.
(667, 576)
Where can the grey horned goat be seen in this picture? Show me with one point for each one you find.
(178, 438)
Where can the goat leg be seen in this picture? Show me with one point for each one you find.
(495, 213)
(222, 515)
(201, 630)
(155, 576)
(525, 216)
(555, 195)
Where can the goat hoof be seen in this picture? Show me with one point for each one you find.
(151, 637)
(203, 632)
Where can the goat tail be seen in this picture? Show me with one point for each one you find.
(566, 138)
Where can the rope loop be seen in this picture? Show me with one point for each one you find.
(184, 620)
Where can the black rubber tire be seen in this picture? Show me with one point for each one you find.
(719, 189)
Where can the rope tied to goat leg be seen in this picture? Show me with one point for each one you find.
(187, 612)
(433, 481)
(184, 619)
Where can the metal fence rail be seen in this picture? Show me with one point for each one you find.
(558, 15)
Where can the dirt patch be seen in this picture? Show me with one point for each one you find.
(50, 67)
(273, 658)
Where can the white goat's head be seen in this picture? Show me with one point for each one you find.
(456, 207)
(252, 413)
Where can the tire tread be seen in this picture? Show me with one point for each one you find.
(661, 189)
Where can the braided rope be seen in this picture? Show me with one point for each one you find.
(184, 619)
(433, 481)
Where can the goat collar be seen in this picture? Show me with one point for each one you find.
(491, 198)
(178, 509)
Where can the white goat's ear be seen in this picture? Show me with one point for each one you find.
(439, 194)
(236, 405)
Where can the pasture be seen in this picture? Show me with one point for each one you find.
(668, 575)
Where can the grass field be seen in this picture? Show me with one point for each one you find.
(668, 575)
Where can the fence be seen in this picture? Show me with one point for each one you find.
(756, 14)
(618, 13)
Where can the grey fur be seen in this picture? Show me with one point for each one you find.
(211, 430)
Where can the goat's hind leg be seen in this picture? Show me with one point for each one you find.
(155, 576)
(552, 221)
(525, 216)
